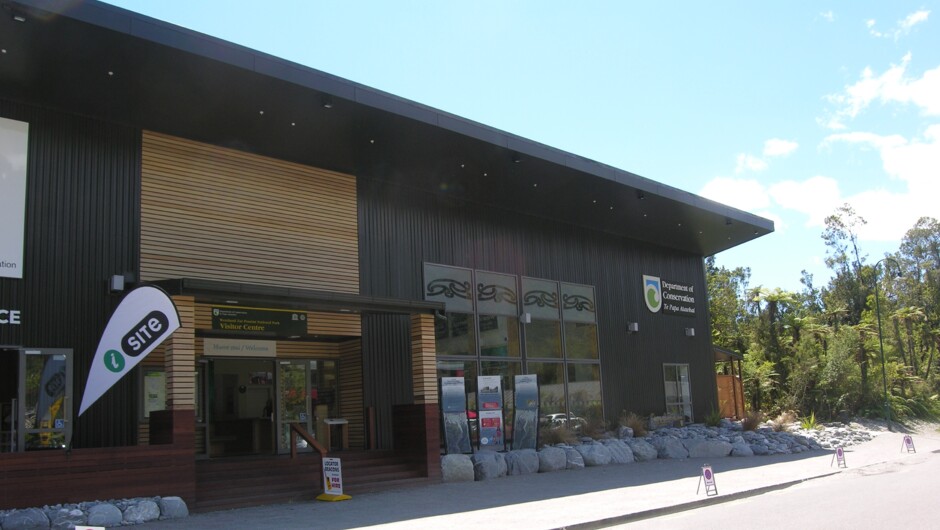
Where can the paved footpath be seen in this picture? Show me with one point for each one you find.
(579, 499)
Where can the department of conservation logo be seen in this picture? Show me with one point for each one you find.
(652, 293)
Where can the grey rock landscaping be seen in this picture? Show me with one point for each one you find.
(123, 512)
(692, 441)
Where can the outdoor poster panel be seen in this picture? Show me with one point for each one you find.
(143, 319)
(490, 400)
(332, 476)
(14, 136)
(525, 425)
(454, 406)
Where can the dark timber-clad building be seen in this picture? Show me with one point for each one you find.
(332, 251)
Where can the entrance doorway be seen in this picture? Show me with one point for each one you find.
(251, 403)
(35, 399)
(241, 407)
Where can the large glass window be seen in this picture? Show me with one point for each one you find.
(455, 334)
(584, 392)
(581, 340)
(543, 339)
(551, 378)
(678, 390)
(499, 336)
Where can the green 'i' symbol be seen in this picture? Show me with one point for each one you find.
(114, 361)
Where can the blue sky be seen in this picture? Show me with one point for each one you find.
(783, 109)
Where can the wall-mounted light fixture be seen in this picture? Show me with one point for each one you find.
(326, 101)
(516, 158)
(525, 318)
(689, 332)
(640, 195)
(633, 327)
(116, 283)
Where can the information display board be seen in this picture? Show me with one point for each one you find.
(490, 412)
(525, 425)
(454, 411)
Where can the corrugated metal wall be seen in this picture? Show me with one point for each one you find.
(81, 227)
(401, 228)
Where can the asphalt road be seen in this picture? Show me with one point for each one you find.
(898, 494)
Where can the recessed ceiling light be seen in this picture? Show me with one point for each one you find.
(110, 73)
(462, 166)
(261, 112)
(293, 124)
(594, 201)
(680, 224)
(611, 207)
(4, 50)
(484, 174)
(19, 18)
(535, 185)
(371, 141)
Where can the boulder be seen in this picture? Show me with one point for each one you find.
(522, 462)
(741, 449)
(594, 454)
(759, 449)
(669, 447)
(625, 432)
(620, 453)
(574, 459)
(175, 507)
(488, 465)
(552, 459)
(26, 519)
(642, 450)
(65, 519)
(104, 514)
(141, 512)
(456, 468)
(707, 448)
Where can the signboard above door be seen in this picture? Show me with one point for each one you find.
(282, 322)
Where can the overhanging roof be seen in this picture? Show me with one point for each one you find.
(110, 63)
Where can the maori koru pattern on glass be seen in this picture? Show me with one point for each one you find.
(541, 299)
(496, 293)
(578, 302)
(449, 288)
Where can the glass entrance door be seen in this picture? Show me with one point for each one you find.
(307, 394)
(45, 399)
(294, 404)
(240, 412)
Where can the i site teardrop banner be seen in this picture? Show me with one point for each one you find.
(144, 319)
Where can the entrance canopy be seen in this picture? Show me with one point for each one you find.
(127, 68)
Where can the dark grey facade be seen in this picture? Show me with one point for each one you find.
(84, 180)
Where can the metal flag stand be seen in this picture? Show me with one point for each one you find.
(708, 476)
(908, 444)
(840, 456)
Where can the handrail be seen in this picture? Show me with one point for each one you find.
(297, 430)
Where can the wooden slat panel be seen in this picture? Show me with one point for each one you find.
(214, 213)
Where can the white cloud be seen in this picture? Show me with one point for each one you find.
(913, 162)
(902, 28)
(744, 194)
(893, 86)
(816, 197)
(828, 15)
(778, 147)
(912, 20)
(749, 163)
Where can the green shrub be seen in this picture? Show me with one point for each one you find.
(713, 418)
(809, 423)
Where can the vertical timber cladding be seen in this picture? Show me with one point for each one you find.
(214, 213)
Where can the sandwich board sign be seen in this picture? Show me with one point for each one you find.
(332, 481)
(708, 476)
(908, 444)
(839, 456)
